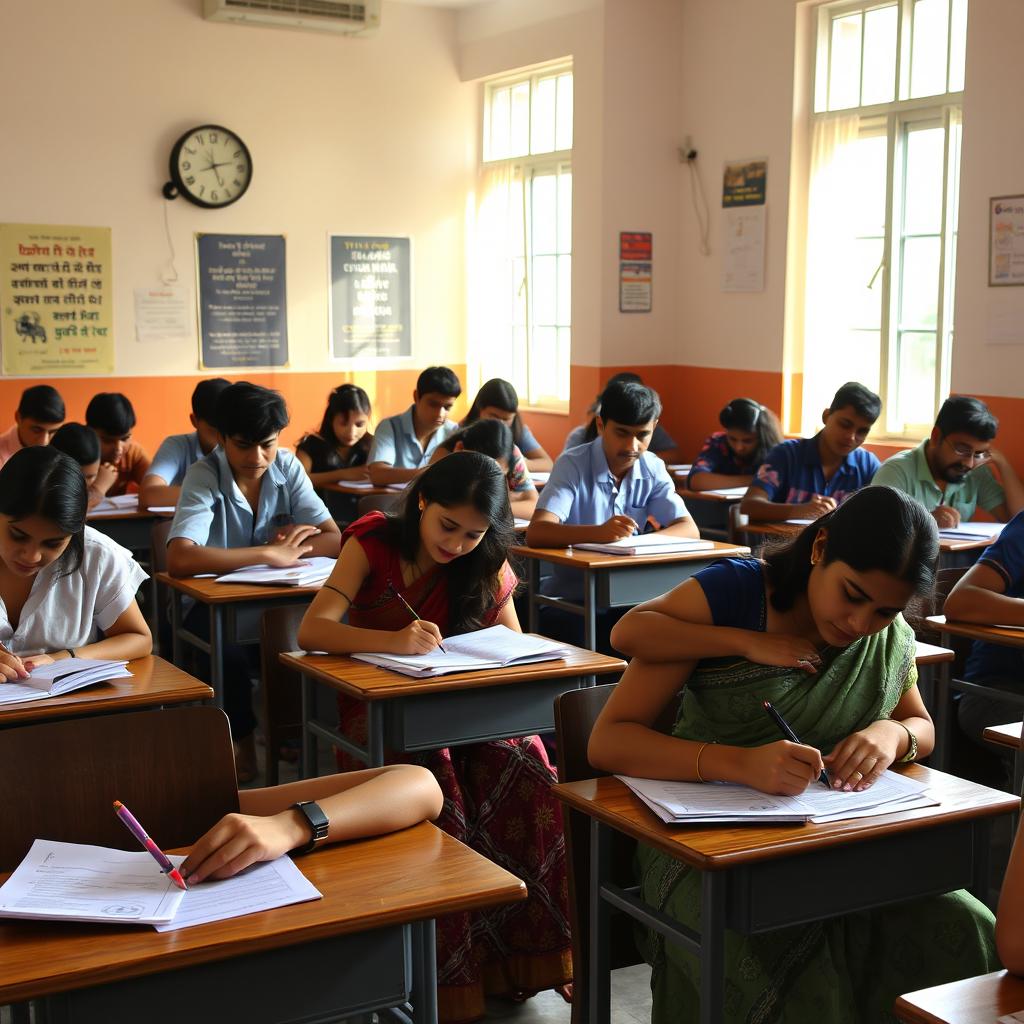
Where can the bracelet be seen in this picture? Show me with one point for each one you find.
(700, 778)
(71, 652)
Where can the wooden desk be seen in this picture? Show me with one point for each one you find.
(131, 529)
(981, 1000)
(235, 611)
(367, 945)
(154, 683)
(405, 714)
(614, 581)
(344, 487)
(761, 879)
(710, 510)
(1009, 737)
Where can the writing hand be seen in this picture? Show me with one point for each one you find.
(818, 505)
(615, 529)
(11, 667)
(419, 637)
(238, 840)
(782, 768)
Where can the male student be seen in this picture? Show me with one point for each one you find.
(40, 412)
(112, 417)
(162, 484)
(804, 478)
(404, 443)
(246, 503)
(950, 472)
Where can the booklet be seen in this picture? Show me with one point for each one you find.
(649, 544)
(972, 531)
(115, 506)
(74, 882)
(309, 572)
(62, 677)
(494, 647)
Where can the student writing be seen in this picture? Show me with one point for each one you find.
(82, 444)
(805, 478)
(730, 456)
(112, 417)
(66, 589)
(40, 412)
(497, 400)
(816, 629)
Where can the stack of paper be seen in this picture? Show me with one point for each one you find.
(310, 572)
(726, 492)
(540, 477)
(649, 544)
(693, 803)
(62, 677)
(972, 531)
(520, 524)
(116, 505)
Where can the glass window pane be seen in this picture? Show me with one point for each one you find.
(542, 118)
(564, 291)
(520, 376)
(565, 211)
(920, 290)
(562, 377)
(519, 134)
(957, 45)
(879, 73)
(545, 214)
(916, 403)
(545, 290)
(563, 110)
(867, 199)
(928, 62)
(922, 201)
(498, 148)
(844, 73)
(543, 356)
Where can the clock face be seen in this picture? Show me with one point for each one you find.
(211, 166)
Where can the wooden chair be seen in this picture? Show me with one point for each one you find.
(173, 768)
(378, 502)
(281, 687)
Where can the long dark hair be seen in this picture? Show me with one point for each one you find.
(753, 418)
(346, 398)
(876, 528)
(498, 394)
(463, 478)
(490, 437)
(42, 481)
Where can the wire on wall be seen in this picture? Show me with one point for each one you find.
(700, 203)
(170, 274)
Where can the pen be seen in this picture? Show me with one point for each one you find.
(791, 736)
(158, 855)
(412, 611)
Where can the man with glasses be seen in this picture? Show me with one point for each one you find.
(950, 472)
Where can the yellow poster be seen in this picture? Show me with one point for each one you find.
(56, 300)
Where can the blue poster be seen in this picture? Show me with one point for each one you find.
(243, 315)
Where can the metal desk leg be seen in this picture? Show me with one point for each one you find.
(375, 733)
(176, 627)
(217, 653)
(424, 976)
(712, 947)
(943, 717)
(590, 611)
(532, 590)
(309, 745)
(599, 980)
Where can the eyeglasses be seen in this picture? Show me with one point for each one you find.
(968, 454)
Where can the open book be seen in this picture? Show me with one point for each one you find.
(649, 544)
(494, 647)
(310, 572)
(972, 531)
(62, 677)
(73, 882)
(117, 505)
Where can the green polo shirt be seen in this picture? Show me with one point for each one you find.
(908, 472)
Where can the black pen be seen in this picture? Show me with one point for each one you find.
(792, 737)
(415, 618)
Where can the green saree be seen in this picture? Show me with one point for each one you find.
(846, 970)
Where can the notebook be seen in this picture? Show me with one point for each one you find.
(62, 677)
(972, 531)
(649, 544)
(115, 506)
(310, 572)
(494, 647)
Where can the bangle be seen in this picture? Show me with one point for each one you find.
(700, 778)
(71, 652)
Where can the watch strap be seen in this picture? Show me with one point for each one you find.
(318, 823)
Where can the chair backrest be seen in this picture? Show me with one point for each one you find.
(282, 687)
(174, 769)
(378, 502)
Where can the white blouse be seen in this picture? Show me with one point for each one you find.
(68, 610)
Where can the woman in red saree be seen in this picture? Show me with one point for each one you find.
(445, 555)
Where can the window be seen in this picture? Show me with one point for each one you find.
(521, 317)
(882, 206)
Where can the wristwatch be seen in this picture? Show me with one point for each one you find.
(911, 754)
(318, 822)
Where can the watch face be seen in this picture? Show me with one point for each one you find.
(211, 166)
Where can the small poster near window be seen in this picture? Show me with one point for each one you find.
(636, 266)
(1006, 241)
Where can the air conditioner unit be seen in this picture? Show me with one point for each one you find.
(347, 17)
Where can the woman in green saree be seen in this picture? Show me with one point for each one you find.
(816, 629)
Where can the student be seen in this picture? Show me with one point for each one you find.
(269, 823)
(66, 590)
(816, 629)
(1009, 934)
(446, 554)
(112, 417)
(492, 437)
(340, 450)
(40, 412)
(162, 484)
(247, 502)
(950, 471)
(82, 444)
(404, 443)
(805, 478)
(730, 456)
(661, 444)
(497, 400)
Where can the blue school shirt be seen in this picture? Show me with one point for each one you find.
(527, 442)
(791, 472)
(213, 512)
(661, 439)
(174, 456)
(395, 441)
(734, 590)
(1006, 556)
(581, 491)
(717, 457)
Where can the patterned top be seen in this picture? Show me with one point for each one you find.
(717, 457)
(792, 472)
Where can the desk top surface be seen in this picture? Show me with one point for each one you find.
(929, 654)
(983, 999)
(716, 848)
(344, 487)
(784, 529)
(370, 682)
(154, 682)
(714, 495)
(92, 519)
(1007, 636)
(590, 560)
(412, 875)
(1008, 735)
(207, 590)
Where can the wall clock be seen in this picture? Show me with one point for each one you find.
(210, 166)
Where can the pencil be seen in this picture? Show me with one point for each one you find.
(412, 611)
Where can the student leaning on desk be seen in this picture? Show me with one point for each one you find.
(61, 582)
(816, 630)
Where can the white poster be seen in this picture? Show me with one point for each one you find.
(163, 314)
(743, 248)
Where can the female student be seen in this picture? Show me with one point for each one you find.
(61, 582)
(445, 555)
(492, 437)
(82, 444)
(497, 400)
(730, 457)
(816, 629)
(338, 451)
